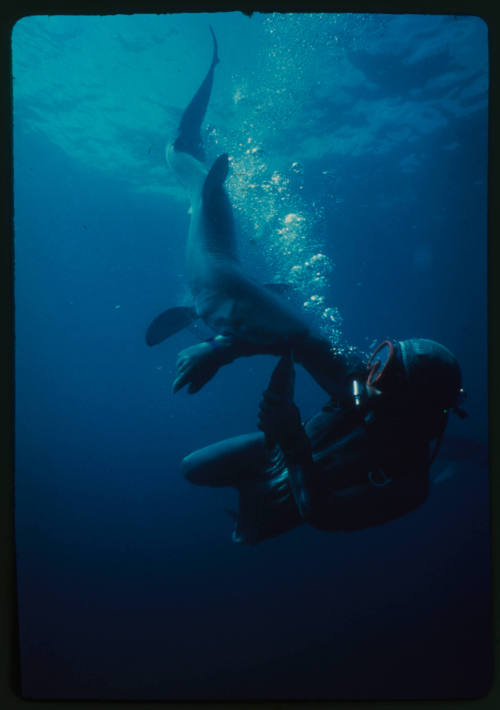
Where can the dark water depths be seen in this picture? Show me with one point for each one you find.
(370, 137)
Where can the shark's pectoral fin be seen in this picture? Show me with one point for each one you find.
(169, 322)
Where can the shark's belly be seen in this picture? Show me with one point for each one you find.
(230, 302)
(233, 304)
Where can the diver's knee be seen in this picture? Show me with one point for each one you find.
(198, 468)
(190, 470)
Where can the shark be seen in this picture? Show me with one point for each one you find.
(225, 297)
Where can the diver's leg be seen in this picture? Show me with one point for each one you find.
(189, 138)
(227, 462)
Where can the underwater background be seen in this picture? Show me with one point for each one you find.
(358, 149)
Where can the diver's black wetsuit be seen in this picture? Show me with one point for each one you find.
(366, 467)
(357, 467)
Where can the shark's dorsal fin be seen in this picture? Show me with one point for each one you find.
(216, 177)
(220, 234)
(169, 322)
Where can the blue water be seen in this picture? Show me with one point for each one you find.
(359, 173)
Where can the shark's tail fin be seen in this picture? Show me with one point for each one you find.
(215, 56)
(189, 138)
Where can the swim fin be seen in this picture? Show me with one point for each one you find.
(169, 322)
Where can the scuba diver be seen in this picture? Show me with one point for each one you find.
(365, 458)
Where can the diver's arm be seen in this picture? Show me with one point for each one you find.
(331, 370)
(197, 364)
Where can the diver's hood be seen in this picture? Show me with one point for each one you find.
(432, 371)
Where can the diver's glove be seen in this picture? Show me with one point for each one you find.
(197, 364)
